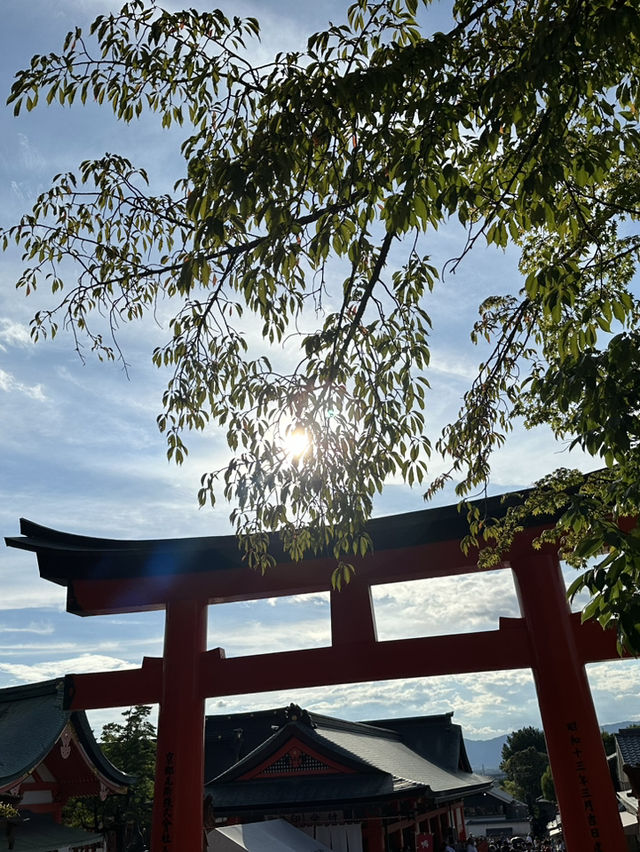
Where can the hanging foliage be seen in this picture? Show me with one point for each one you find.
(313, 185)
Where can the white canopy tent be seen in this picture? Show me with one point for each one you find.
(274, 835)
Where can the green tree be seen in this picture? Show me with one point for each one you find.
(312, 188)
(609, 742)
(525, 762)
(131, 746)
(524, 771)
(547, 785)
(523, 738)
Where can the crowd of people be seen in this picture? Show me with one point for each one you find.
(502, 844)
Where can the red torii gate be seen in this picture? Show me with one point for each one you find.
(184, 576)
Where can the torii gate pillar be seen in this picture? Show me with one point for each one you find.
(177, 804)
(590, 819)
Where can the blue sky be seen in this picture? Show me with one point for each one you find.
(80, 450)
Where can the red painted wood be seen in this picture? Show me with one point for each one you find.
(297, 749)
(364, 661)
(493, 650)
(352, 615)
(548, 639)
(373, 833)
(95, 690)
(586, 798)
(109, 597)
(177, 807)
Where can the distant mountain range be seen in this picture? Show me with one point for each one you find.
(485, 755)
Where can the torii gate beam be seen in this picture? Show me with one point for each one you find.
(492, 650)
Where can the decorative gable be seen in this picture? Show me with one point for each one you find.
(296, 758)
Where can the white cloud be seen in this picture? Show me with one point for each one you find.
(10, 384)
(259, 636)
(450, 364)
(616, 682)
(14, 333)
(30, 155)
(27, 592)
(39, 628)
(48, 669)
(444, 605)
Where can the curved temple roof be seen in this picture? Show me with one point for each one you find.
(370, 761)
(32, 719)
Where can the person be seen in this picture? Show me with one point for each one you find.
(471, 845)
(448, 847)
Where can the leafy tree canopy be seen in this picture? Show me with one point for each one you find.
(547, 785)
(303, 177)
(524, 771)
(526, 765)
(523, 738)
(609, 742)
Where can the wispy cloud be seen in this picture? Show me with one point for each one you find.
(30, 155)
(17, 649)
(448, 363)
(39, 628)
(442, 606)
(48, 669)
(9, 384)
(13, 333)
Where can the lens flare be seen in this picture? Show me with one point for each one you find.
(297, 443)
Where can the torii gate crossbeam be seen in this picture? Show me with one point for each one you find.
(185, 576)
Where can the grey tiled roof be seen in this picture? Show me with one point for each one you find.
(380, 762)
(435, 737)
(628, 741)
(502, 795)
(390, 755)
(31, 720)
(277, 793)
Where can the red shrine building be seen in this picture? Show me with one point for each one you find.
(47, 756)
(376, 786)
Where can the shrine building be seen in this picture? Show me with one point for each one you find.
(389, 784)
(47, 756)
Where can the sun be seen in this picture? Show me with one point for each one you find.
(297, 443)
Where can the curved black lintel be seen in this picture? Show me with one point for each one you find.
(63, 557)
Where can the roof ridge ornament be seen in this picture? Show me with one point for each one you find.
(294, 713)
